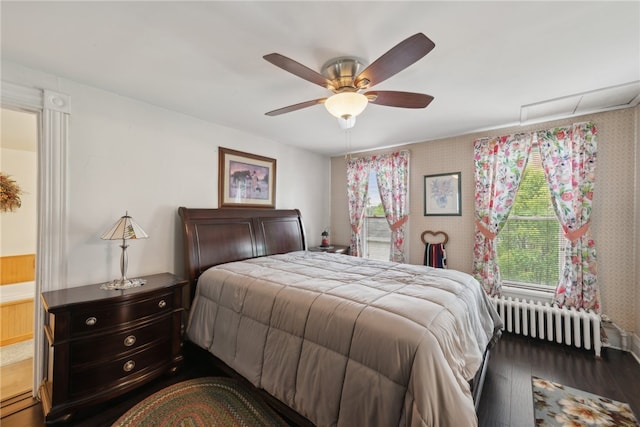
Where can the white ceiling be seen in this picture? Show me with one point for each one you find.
(205, 59)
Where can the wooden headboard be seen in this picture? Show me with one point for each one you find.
(216, 236)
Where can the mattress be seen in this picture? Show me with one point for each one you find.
(347, 341)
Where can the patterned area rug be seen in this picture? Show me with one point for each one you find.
(558, 405)
(202, 402)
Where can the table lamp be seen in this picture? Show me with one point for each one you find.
(125, 228)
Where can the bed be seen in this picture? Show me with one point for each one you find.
(339, 340)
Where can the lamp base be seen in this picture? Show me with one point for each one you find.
(120, 284)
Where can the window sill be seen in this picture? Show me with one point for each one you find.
(527, 294)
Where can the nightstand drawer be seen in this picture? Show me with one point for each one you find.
(91, 378)
(105, 343)
(109, 346)
(110, 315)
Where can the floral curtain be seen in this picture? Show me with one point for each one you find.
(392, 174)
(499, 164)
(569, 160)
(357, 189)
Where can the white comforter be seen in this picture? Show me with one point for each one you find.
(348, 341)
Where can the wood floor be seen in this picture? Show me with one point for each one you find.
(16, 378)
(507, 396)
(506, 400)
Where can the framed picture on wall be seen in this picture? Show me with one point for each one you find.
(245, 180)
(442, 194)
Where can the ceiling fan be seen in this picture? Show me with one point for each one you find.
(343, 77)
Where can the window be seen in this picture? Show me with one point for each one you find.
(377, 241)
(530, 244)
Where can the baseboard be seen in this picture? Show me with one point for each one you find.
(615, 336)
(621, 340)
(635, 346)
(17, 403)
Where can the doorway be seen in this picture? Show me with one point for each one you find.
(53, 111)
(18, 232)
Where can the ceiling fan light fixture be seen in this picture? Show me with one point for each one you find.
(344, 77)
(346, 122)
(346, 104)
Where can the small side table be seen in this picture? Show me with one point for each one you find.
(104, 343)
(334, 249)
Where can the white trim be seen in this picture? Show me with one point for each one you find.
(635, 346)
(20, 97)
(53, 206)
(53, 135)
(55, 101)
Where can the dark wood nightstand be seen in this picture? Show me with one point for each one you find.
(103, 343)
(334, 249)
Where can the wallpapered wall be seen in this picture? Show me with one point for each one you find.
(636, 231)
(613, 215)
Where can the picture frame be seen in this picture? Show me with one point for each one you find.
(442, 194)
(245, 180)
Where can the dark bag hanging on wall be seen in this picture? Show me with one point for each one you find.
(435, 254)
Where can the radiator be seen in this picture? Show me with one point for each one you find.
(580, 328)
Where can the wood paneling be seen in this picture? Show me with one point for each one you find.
(17, 321)
(17, 268)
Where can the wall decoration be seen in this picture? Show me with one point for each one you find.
(9, 194)
(442, 194)
(245, 180)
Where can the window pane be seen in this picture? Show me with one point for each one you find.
(377, 232)
(533, 198)
(529, 245)
(378, 241)
(528, 251)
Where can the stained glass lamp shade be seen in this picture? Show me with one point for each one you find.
(126, 229)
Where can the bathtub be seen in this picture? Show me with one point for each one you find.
(16, 311)
(17, 291)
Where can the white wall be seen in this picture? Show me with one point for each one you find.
(18, 228)
(128, 155)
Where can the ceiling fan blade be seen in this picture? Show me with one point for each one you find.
(392, 98)
(296, 107)
(395, 60)
(298, 69)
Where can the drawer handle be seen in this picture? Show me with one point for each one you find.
(91, 321)
(162, 303)
(130, 340)
(128, 366)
